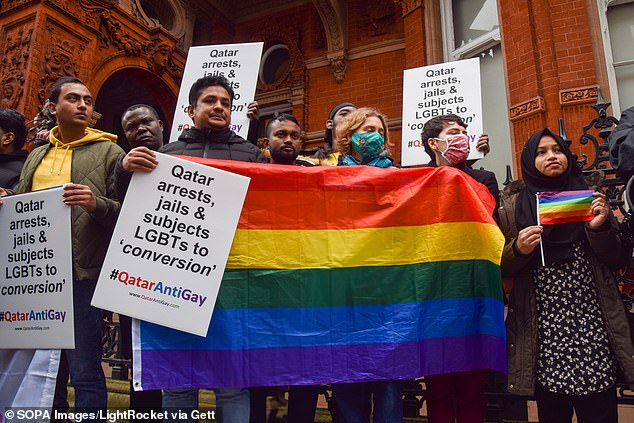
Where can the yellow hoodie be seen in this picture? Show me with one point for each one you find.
(55, 167)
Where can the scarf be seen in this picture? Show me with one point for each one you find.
(557, 239)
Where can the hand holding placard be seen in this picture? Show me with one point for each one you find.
(170, 246)
(36, 305)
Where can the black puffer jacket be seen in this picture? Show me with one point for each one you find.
(224, 145)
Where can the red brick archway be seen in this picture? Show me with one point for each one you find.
(130, 86)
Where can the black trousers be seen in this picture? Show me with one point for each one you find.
(600, 407)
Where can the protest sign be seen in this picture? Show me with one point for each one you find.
(239, 63)
(36, 301)
(170, 246)
(446, 88)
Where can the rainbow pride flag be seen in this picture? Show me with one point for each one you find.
(564, 206)
(345, 274)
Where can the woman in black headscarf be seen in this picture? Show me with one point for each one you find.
(566, 327)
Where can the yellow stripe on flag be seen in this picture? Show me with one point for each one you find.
(545, 208)
(401, 245)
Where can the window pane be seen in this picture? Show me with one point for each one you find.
(494, 113)
(625, 82)
(621, 23)
(472, 19)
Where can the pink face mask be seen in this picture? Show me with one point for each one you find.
(457, 149)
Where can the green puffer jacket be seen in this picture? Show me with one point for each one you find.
(605, 253)
(92, 165)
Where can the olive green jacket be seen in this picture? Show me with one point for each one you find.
(605, 252)
(92, 165)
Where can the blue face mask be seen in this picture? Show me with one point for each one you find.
(369, 144)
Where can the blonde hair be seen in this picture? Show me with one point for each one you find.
(351, 123)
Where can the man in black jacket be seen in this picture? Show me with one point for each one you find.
(210, 100)
(12, 138)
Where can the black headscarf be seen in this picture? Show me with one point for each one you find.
(557, 239)
(328, 135)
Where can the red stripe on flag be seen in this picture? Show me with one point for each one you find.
(355, 197)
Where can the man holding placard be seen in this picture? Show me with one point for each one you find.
(143, 128)
(83, 160)
(210, 101)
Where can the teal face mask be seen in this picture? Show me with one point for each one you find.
(368, 144)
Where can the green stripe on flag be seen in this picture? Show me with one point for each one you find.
(293, 288)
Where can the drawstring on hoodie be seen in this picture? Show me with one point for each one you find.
(56, 166)
(61, 166)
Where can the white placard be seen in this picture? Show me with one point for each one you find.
(171, 243)
(239, 63)
(36, 288)
(435, 90)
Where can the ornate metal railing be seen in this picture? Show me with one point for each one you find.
(612, 185)
(112, 349)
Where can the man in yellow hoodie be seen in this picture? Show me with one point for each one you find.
(84, 158)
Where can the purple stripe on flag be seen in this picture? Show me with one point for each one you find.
(319, 365)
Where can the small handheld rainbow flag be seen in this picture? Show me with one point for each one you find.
(564, 206)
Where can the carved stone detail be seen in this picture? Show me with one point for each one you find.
(335, 24)
(98, 15)
(15, 56)
(527, 108)
(137, 13)
(111, 34)
(87, 11)
(408, 5)
(158, 53)
(10, 4)
(579, 95)
(159, 57)
(339, 66)
(59, 59)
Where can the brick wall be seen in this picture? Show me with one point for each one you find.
(548, 48)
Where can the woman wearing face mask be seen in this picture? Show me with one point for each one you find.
(362, 139)
(446, 143)
(455, 397)
(566, 327)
